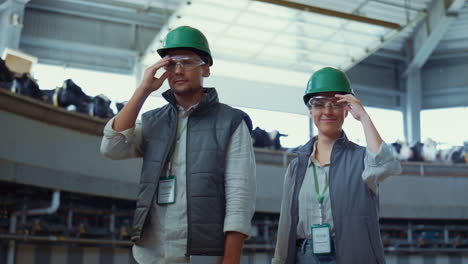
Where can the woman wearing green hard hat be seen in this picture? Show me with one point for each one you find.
(329, 211)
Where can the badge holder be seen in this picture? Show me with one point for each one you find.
(167, 189)
(321, 240)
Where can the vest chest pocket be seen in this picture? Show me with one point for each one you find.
(154, 148)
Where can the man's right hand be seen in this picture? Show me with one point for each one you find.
(150, 82)
(126, 118)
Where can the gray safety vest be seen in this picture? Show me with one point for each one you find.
(354, 206)
(209, 130)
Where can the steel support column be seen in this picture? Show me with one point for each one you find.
(311, 128)
(11, 18)
(413, 106)
(428, 35)
(138, 71)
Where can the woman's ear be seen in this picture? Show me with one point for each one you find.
(206, 71)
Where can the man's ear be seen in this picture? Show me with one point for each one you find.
(206, 71)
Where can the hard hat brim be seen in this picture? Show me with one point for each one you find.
(163, 51)
(307, 97)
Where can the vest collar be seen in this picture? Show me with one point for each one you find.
(209, 99)
(341, 142)
(306, 149)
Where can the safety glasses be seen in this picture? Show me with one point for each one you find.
(185, 62)
(321, 102)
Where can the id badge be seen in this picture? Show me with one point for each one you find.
(321, 239)
(167, 190)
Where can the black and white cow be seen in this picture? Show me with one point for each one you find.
(120, 105)
(6, 76)
(455, 154)
(401, 150)
(100, 107)
(275, 137)
(264, 139)
(458, 155)
(260, 138)
(72, 97)
(24, 85)
(70, 94)
(27, 86)
(417, 152)
(429, 150)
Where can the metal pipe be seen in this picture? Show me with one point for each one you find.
(247, 247)
(112, 222)
(410, 233)
(69, 221)
(446, 235)
(65, 240)
(54, 205)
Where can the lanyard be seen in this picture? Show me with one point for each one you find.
(174, 143)
(320, 197)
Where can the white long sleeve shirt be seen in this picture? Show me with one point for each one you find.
(164, 239)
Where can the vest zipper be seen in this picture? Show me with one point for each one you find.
(330, 188)
(187, 191)
(329, 182)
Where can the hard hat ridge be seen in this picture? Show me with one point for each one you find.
(327, 79)
(185, 37)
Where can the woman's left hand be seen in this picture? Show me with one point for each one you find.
(354, 105)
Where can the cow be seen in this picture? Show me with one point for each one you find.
(27, 86)
(401, 150)
(120, 105)
(24, 84)
(6, 76)
(72, 97)
(416, 150)
(429, 150)
(465, 149)
(263, 139)
(458, 155)
(275, 136)
(100, 107)
(260, 138)
(69, 94)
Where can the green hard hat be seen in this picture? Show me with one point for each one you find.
(327, 80)
(186, 37)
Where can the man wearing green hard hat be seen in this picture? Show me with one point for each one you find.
(329, 211)
(197, 187)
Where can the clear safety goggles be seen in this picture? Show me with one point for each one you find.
(321, 102)
(187, 63)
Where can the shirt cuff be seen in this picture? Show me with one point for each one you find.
(235, 223)
(109, 132)
(384, 155)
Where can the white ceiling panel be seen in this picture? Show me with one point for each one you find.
(266, 32)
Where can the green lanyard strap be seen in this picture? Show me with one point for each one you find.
(320, 197)
(176, 140)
